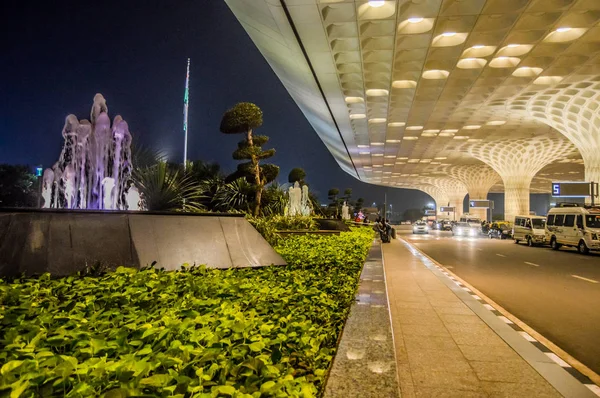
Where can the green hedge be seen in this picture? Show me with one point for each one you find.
(268, 226)
(200, 332)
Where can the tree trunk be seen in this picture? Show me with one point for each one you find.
(257, 181)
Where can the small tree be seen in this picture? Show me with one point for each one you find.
(297, 174)
(359, 205)
(332, 195)
(348, 195)
(18, 187)
(243, 118)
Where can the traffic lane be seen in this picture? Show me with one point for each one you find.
(587, 266)
(560, 307)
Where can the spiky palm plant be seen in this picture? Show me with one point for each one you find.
(234, 195)
(274, 200)
(164, 188)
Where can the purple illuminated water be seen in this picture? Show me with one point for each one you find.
(94, 168)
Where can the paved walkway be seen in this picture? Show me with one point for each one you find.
(444, 349)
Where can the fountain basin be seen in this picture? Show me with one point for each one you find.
(64, 242)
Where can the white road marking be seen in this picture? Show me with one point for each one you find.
(535, 265)
(584, 279)
(595, 389)
(489, 307)
(527, 336)
(500, 255)
(505, 319)
(557, 359)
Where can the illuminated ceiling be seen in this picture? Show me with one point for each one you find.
(401, 90)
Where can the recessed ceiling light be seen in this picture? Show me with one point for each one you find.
(362, 146)
(441, 158)
(376, 3)
(496, 122)
(450, 131)
(448, 34)
(390, 156)
(414, 160)
(364, 152)
(461, 137)
(358, 116)
(378, 154)
(513, 45)
(561, 30)
(388, 164)
(377, 120)
(411, 138)
(402, 158)
(415, 20)
(354, 100)
(377, 143)
(378, 165)
(478, 46)
(431, 131)
(414, 128)
(393, 141)
(377, 92)
(396, 124)
(502, 58)
(472, 127)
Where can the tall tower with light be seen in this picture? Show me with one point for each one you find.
(186, 100)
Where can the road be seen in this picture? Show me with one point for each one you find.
(556, 293)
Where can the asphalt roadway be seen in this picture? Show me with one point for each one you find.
(557, 293)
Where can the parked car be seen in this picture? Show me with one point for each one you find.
(530, 229)
(420, 227)
(464, 229)
(500, 230)
(445, 225)
(471, 220)
(574, 225)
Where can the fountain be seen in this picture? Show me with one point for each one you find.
(94, 167)
(89, 216)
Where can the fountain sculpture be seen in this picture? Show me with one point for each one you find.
(94, 168)
(298, 201)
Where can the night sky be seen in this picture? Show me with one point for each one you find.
(57, 55)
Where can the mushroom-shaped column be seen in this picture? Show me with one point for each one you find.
(573, 110)
(439, 196)
(517, 162)
(479, 179)
(455, 190)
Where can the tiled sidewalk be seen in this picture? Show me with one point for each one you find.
(443, 349)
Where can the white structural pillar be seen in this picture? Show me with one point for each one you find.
(478, 179)
(440, 198)
(517, 162)
(455, 190)
(572, 109)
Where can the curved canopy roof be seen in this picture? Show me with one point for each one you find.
(401, 91)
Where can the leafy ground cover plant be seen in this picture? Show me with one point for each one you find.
(267, 332)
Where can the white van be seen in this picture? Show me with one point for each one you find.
(530, 229)
(574, 225)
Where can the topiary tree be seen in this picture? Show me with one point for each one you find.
(297, 174)
(332, 195)
(359, 205)
(348, 195)
(244, 118)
